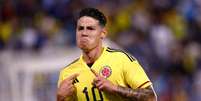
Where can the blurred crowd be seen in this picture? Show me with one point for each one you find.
(164, 35)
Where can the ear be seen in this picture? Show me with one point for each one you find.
(103, 33)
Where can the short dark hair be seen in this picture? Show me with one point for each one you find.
(94, 13)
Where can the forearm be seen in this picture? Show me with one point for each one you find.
(145, 94)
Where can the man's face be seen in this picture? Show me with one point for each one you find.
(89, 33)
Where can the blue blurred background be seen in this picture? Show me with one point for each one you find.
(37, 39)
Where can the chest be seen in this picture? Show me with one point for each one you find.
(84, 88)
(109, 69)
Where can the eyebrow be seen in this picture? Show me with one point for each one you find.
(88, 27)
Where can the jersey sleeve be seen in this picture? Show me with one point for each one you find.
(134, 75)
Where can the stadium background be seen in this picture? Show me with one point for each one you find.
(37, 39)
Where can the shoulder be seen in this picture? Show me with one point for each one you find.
(74, 62)
(120, 54)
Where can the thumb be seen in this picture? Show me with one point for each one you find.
(73, 76)
(70, 78)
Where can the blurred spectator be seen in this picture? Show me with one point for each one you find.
(164, 35)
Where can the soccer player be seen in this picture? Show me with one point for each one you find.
(101, 73)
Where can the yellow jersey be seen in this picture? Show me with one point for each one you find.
(115, 65)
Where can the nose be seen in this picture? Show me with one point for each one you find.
(84, 32)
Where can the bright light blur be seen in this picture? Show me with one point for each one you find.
(37, 39)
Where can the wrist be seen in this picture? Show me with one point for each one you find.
(115, 88)
(60, 97)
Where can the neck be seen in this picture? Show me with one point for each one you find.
(92, 55)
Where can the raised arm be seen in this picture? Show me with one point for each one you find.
(140, 94)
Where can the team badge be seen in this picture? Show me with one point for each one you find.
(105, 71)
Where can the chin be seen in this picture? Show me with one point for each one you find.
(84, 47)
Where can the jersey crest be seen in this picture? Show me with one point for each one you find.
(106, 71)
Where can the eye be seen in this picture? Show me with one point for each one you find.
(90, 28)
(80, 28)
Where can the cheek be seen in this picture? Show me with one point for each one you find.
(96, 39)
(77, 38)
